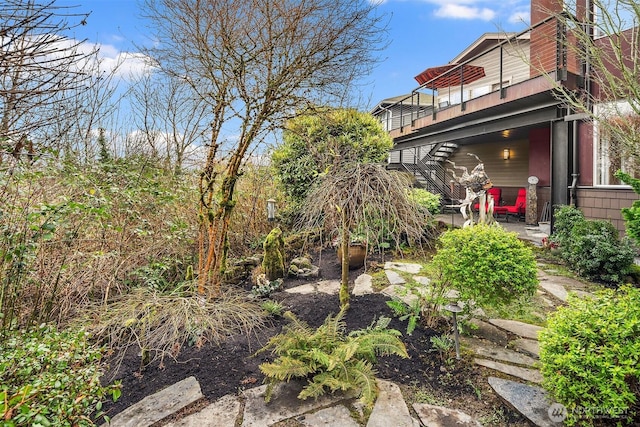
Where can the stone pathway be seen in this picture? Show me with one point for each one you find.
(505, 346)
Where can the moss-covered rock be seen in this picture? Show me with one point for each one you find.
(273, 261)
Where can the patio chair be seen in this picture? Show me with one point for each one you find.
(518, 209)
(496, 193)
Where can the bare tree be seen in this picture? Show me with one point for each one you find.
(171, 115)
(254, 63)
(603, 37)
(41, 70)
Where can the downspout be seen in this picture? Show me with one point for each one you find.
(575, 166)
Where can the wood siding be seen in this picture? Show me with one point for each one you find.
(606, 203)
(503, 173)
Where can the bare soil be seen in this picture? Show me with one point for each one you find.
(232, 366)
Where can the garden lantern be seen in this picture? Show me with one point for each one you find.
(455, 308)
(271, 210)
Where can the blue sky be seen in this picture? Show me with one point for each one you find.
(422, 34)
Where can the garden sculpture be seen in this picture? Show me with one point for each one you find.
(476, 185)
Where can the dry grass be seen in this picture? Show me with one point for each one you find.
(162, 324)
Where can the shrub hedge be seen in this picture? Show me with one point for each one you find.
(590, 355)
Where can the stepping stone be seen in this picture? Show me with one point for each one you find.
(330, 287)
(530, 401)
(390, 408)
(438, 416)
(489, 332)
(394, 278)
(305, 289)
(363, 285)
(422, 280)
(400, 292)
(521, 329)
(528, 346)
(221, 413)
(284, 403)
(403, 266)
(555, 289)
(153, 408)
(490, 350)
(333, 416)
(526, 374)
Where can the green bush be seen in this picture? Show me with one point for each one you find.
(631, 215)
(426, 199)
(329, 358)
(564, 219)
(591, 248)
(590, 355)
(486, 264)
(595, 251)
(50, 378)
(313, 144)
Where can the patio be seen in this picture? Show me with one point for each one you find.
(532, 233)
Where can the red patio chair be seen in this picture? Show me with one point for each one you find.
(496, 193)
(518, 209)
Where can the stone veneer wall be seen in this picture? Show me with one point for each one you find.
(606, 203)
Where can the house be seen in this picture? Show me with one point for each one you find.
(496, 100)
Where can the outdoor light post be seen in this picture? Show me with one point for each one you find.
(271, 210)
(455, 308)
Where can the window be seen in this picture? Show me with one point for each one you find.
(617, 145)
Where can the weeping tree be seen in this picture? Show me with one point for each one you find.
(253, 63)
(366, 196)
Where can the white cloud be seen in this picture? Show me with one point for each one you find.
(125, 65)
(459, 11)
(519, 17)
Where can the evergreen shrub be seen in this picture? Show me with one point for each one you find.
(592, 248)
(590, 355)
(486, 264)
(50, 378)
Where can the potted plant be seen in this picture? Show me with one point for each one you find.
(358, 248)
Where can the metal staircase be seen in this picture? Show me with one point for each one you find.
(427, 165)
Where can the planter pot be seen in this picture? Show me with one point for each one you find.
(357, 254)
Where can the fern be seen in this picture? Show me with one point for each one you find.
(329, 358)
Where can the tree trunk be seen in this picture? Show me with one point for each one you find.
(344, 285)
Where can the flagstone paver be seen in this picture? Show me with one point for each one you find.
(489, 350)
(305, 289)
(221, 413)
(526, 374)
(400, 292)
(422, 280)
(331, 287)
(528, 346)
(153, 408)
(333, 416)
(521, 329)
(284, 404)
(530, 401)
(363, 285)
(554, 289)
(390, 408)
(487, 331)
(438, 416)
(394, 278)
(403, 266)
